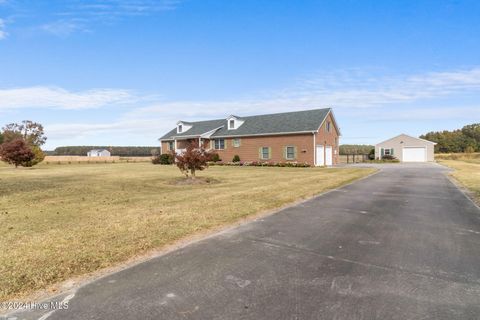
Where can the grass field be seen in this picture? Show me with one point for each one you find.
(467, 172)
(59, 221)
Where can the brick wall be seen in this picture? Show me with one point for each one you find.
(249, 148)
(322, 137)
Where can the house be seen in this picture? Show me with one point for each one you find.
(310, 136)
(406, 149)
(98, 153)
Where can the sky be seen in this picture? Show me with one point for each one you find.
(123, 72)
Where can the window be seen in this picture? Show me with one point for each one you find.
(231, 124)
(236, 143)
(219, 144)
(180, 127)
(327, 126)
(171, 145)
(265, 153)
(387, 152)
(290, 153)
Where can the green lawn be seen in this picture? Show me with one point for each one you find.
(467, 172)
(59, 221)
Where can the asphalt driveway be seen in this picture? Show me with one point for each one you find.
(401, 244)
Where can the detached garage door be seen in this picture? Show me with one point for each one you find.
(414, 154)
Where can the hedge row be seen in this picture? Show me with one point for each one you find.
(260, 164)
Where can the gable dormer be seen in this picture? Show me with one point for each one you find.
(183, 126)
(234, 122)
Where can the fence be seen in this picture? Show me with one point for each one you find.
(353, 158)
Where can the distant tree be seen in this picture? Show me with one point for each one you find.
(1, 138)
(16, 152)
(194, 158)
(355, 148)
(472, 131)
(31, 132)
(467, 138)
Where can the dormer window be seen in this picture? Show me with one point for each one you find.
(234, 122)
(183, 126)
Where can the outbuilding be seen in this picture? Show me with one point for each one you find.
(98, 153)
(406, 149)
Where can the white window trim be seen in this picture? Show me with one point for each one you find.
(185, 127)
(215, 144)
(268, 153)
(236, 123)
(286, 153)
(235, 145)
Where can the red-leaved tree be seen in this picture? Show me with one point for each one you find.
(16, 152)
(194, 158)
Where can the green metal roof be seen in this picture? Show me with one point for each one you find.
(287, 122)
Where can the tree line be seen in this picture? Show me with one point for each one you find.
(466, 139)
(350, 149)
(115, 151)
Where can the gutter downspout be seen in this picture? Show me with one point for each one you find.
(314, 150)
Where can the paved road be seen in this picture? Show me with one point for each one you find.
(402, 244)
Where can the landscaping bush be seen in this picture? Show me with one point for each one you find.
(236, 158)
(261, 164)
(165, 158)
(388, 157)
(215, 157)
(371, 154)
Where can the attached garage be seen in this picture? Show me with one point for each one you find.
(406, 149)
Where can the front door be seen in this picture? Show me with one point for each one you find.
(319, 156)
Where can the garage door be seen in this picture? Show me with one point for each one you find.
(328, 156)
(320, 156)
(414, 154)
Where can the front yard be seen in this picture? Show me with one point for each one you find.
(60, 221)
(467, 172)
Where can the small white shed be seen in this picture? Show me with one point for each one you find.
(98, 153)
(406, 149)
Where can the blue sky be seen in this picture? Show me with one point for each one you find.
(122, 72)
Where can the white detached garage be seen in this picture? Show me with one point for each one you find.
(406, 149)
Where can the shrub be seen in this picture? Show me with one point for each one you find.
(388, 157)
(236, 158)
(371, 154)
(164, 158)
(214, 157)
(261, 164)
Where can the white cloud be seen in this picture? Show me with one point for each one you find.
(3, 33)
(347, 90)
(63, 28)
(58, 98)
(351, 94)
